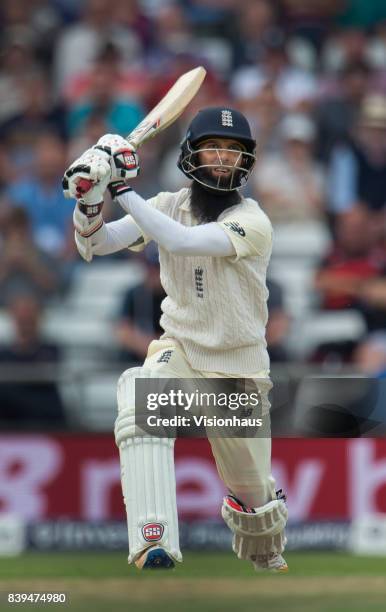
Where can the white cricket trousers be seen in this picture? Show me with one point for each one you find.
(243, 464)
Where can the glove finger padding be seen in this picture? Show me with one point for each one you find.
(111, 142)
(257, 531)
(92, 167)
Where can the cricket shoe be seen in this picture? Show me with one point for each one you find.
(154, 557)
(272, 562)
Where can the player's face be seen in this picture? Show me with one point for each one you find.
(221, 155)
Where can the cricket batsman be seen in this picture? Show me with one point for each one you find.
(214, 248)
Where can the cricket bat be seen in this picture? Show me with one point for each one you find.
(165, 113)
(169, 108)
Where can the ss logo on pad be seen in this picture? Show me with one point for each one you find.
(152, 532)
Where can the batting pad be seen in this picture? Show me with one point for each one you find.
(147, 475)
(260, 532)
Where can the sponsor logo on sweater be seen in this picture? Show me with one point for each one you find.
(236, 227)
(165, 357)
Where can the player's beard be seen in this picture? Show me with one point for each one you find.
(207, 205)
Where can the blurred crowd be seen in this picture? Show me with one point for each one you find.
(310, 77)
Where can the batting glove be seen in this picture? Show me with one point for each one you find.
(112, 159)
(87, 231)
(122, 156)
(86, 180)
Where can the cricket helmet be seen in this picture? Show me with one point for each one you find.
(218, 122)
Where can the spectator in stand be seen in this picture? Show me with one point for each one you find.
(130, 15)
(208, 15)
(8, 171)
(130, 83)
(370, 360)
(335, 114)
(104, 92)
(20, 132)
(17, 64)
(376, 48)
(370, 356)
(23, 266)
(358, 170)
(16, 13)
(139, 321)
(294, 87)
(34, 402)
(41, 195)
(353, 274)
(79, 44)
(264, 113)
(291, 184)
(278, 323)
(173, 33)
(254, 22)
(342, 48)
(175, 39)
(41, 19)
(311, 19)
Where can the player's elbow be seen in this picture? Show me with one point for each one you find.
(98, 249)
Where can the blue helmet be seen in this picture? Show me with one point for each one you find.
(222, 123)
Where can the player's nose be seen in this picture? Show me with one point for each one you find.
(225, 156)
(230, 158)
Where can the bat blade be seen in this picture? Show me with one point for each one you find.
(169, 108)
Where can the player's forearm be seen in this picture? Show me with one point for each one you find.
(115, 236)
(207, 240)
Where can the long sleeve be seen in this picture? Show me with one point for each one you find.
(205, 240)
(116, 236)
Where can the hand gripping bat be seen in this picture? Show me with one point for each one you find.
(165, 113)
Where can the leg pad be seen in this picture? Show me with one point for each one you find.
(148, 479)
(257, 531)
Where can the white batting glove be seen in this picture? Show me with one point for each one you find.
(111, 142)
(87, 179)
(87, 231)
(115, 160)
(122, 156)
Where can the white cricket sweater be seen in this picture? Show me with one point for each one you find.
(216, 306)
